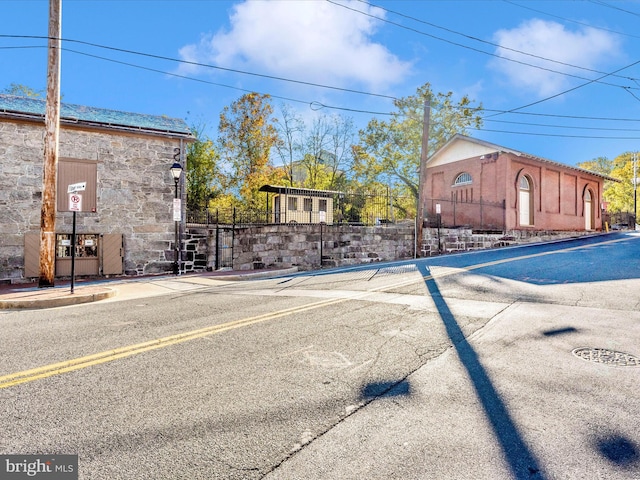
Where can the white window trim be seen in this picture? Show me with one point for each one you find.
(457, 182)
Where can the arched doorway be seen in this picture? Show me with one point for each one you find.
(588, 210)
(525, 201)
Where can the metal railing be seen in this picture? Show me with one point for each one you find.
(479, 216)
(369, 208)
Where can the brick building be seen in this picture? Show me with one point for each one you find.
(126, 224)
(486, 186)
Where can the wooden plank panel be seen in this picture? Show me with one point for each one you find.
(72, 171)
(112, 251)
(31, 255)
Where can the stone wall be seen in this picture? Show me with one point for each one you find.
(307, 247)
(443, 241)
(134, 193)
(285, 246)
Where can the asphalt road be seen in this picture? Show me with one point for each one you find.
(460, 366)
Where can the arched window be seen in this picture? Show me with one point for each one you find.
(462, 179)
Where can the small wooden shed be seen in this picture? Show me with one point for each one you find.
(299, 205)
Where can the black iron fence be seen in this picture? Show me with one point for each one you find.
(358, 208)
(620, 220)
(478, 216)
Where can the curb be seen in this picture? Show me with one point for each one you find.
(33, 298)
(57, 300)
(258, 274)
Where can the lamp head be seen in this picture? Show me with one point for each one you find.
(176, 171)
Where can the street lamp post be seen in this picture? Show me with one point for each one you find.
(176, 172)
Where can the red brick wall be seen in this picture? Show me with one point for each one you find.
(558, 193)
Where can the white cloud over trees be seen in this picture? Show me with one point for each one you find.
(306, 40)
(585, 47)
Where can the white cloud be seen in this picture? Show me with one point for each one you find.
(307, 40)
(586, 47)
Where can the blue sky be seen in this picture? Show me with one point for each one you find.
(559, 78)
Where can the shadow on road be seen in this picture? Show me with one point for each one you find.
(618, 450)
(520, 459)
(387, 389)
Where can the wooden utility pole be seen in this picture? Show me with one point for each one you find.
(51, 140)
(422, 180)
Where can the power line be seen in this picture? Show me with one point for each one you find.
(577, 117)
(205, 65)
(566, 91)
(546, 59)
(399, 25)
(315, 105)
(177, 75)
(571, 127)
(557, 135)
(570, 20)
(598, 2)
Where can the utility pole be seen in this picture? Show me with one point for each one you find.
(422, 181)
(51, 140)
(635, 190)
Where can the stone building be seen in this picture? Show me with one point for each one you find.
(126, 222)
(477, 184)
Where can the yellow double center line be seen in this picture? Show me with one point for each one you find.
(25, 376)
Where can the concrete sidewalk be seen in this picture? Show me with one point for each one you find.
(29, 296)
(542, 392)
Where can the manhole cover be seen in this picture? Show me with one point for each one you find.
(607, 357)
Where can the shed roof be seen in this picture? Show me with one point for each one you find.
(13, 106)
(498, 148)
(297, 191)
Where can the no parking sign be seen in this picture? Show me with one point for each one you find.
(75, 202)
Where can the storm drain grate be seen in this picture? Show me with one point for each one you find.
(607, 357)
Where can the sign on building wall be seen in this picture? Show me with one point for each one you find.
(77, 175)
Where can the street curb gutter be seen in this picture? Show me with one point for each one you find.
(57, 301)
(253, 274)
(61, 297)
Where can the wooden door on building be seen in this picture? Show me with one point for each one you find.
(525, 202)
(112, 252)
(588, 211)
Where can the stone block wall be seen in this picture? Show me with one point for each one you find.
(307, 247)
(443, 241)
(134, 193)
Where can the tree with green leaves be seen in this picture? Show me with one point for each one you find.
(22, 91)
(246, 136)
(601, 165)
(389, 151)
(203, 171)
(619, 195)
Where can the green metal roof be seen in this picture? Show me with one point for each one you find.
(35, 107)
